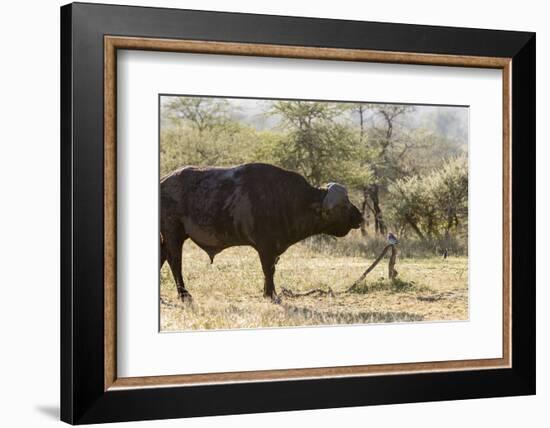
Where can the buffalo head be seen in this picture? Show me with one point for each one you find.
(338, 213)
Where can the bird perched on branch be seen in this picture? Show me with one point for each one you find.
(392, 239)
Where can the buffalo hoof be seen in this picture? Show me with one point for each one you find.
(276, 299)
(186, 297)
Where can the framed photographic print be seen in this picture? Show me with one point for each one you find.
(265, 213)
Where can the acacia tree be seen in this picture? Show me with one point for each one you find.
(202, 113)
(316, 143)
(201, 131)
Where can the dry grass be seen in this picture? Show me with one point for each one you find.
(228, 293)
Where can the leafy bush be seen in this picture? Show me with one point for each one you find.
(432, 205)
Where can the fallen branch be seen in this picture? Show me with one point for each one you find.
(178, 305)
(169, 304)
(371, 267)
(317, 291)
(439, 296)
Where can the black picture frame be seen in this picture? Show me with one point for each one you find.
(83, 399)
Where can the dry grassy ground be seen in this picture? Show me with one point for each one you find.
(228, 293)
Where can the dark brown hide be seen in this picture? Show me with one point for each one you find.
(260, 205)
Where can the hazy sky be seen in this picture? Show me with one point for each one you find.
(448, 120)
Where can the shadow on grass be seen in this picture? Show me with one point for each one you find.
(396, 285)
(360, 317)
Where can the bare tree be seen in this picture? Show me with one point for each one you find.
(385, 155)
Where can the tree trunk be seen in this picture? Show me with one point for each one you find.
(416, 229)
(379, 225)
(448, 226)
(365, 213)
(392, 273)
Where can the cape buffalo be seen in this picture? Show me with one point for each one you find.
(261, 205)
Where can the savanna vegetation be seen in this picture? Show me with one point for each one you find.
(405, 168)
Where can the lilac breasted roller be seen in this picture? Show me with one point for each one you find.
(392, 239)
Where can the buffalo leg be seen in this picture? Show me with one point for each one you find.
(268, 266)
(173, 256)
